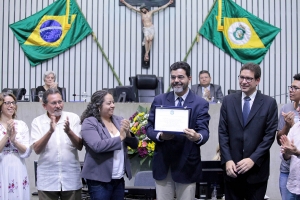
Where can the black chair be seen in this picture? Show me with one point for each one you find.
(146, 87)
(144, 187)
(18, 92)
(33, 94)
(144, 178)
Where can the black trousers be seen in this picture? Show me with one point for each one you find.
(240, 190)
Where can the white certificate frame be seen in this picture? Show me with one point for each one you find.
(171, 119)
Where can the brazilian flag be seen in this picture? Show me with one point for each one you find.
(51, 31)
(237, 32)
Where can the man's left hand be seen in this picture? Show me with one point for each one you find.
(192, 135)
(244, 165)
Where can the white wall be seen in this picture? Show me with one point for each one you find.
(118, 29)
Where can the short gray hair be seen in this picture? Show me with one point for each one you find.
(50, 72)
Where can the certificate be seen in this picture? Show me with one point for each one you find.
(171, 119)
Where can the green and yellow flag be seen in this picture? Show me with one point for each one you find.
(237, 32)
(51, 31)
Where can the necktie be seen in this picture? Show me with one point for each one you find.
(179, 104)
(205, 92)
(246, 109)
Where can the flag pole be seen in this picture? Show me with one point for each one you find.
(195, 40)
(102, 51)
(197, 35)
(67, 24)
(105, 57)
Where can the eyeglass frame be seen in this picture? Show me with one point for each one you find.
(248, 79)
(8, 103)
(293, 88)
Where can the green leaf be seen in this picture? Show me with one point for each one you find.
(143, 160)
(142, 109)
(149, 162)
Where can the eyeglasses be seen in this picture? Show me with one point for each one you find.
(54, 103)
(180, 77)
(8, 103)
(293, 88)
(248, 79)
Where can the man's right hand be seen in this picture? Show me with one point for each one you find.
(171, 1)
(231, 169)
(122, 1)
(52, 123)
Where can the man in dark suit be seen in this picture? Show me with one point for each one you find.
(206, 89)
(247, 128)
(176, 161)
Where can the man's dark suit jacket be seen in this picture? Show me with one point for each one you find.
(252, 141)
(215, 91)
(181, 155)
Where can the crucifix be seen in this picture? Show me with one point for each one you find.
(148, 27)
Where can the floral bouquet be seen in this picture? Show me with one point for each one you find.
(138, 122)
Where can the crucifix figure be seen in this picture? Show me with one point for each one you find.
(148, 28)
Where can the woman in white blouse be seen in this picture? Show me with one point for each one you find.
(14, 147)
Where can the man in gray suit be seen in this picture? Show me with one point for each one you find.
(207, 90)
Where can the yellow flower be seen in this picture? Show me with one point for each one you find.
(140, 143)
(151, 146)
(141, 115)
(133, 129)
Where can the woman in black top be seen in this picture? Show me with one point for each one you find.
(49, 79)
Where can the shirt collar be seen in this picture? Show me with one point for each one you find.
(183, 96)
(252, 96)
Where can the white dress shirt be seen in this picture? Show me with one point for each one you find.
(58, 165)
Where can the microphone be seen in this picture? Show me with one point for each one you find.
(80, 95)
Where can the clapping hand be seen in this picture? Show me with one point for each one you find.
(287, 146)
(124, 130)
(11, 131)
(289, 118)
(54, 85)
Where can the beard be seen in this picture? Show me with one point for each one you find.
(177, 89)
(57, 113)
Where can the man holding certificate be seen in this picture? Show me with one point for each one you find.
(178, 136)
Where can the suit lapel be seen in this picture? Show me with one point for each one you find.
(189, 99)
(212, 90)
(238, 106)
(116, 122)
(170, 99)
(257, 104)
